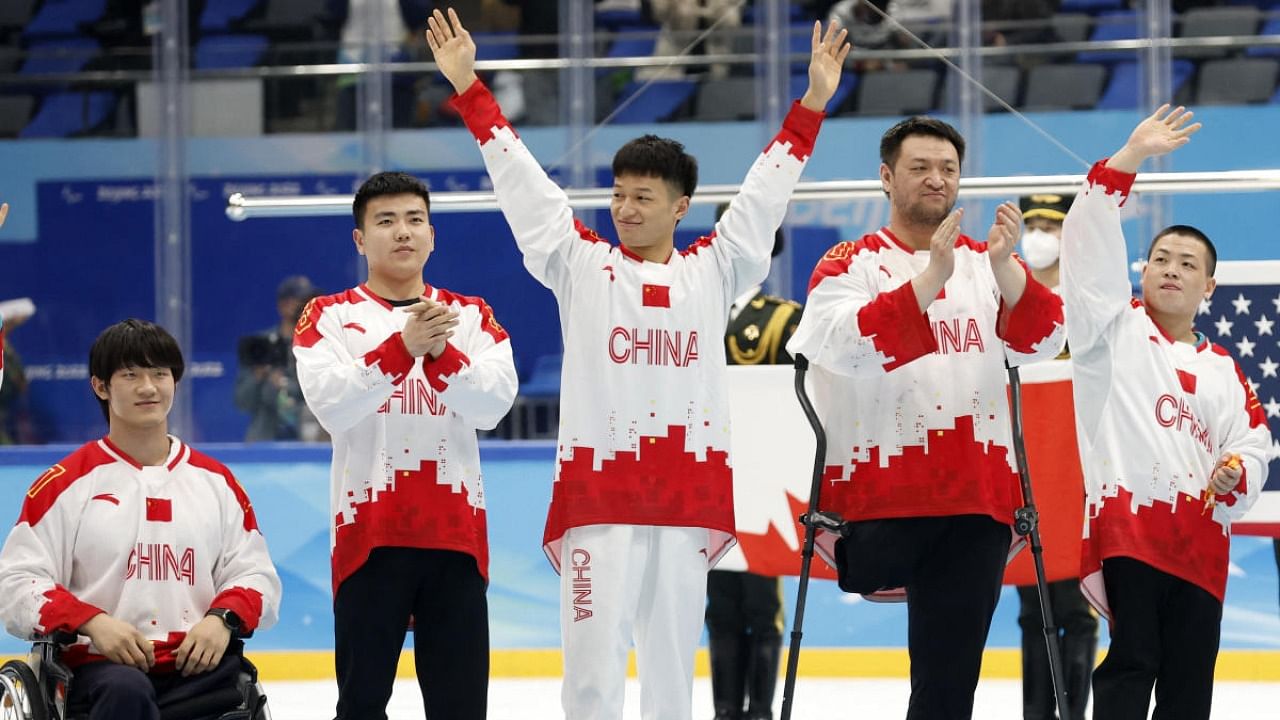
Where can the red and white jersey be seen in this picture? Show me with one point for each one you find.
(914, 404)
(406, 462)
(1153, 415)
(644, 418)
(153, 546)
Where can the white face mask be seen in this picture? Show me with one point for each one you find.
(1039, 249)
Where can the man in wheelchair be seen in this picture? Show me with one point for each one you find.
(142, 551)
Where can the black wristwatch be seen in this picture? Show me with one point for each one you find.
(228, 618)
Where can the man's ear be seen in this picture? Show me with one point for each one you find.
(1210, 287)
(99, 388)
(357, 237)
(886, 177)
(682, 207)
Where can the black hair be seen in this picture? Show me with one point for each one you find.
(652, 156)
(133, 343)
(1210, 251)
(387, 183)
(891, 141)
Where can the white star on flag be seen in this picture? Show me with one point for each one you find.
(1245, 346)
(1264, 324)
(1205, 305)
(1268, 367)
(1276, 302)
(1223, 325)
(1272, 407)
(1242, 304)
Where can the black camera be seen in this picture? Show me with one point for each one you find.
(260, 350)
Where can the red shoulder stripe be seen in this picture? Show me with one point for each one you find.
(1252, 406)
(306, 333)
(696, 245)
(840, 257)
(47, 488)
(204, 462)
(488, 322)
(587, 233)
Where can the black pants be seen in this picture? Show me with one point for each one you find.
(1077, 641)
(952, 568)
(744, 634)
(741, 602)
(1164, 632)
(444, 593)
(111, 691)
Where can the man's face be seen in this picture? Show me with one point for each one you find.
(397, 237)
(1176, 277)
(137, 398)
(924, 181)
(645, 211)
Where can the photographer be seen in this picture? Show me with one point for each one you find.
(267, 381)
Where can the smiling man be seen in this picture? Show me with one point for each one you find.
(402, 375)
(908, 330)
(642, 505)
(144, 548)
(1173, 442)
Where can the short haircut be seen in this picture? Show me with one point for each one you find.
(387, 183)
(652, 156)
(133, 343)
(891, 141)
(1211, 252)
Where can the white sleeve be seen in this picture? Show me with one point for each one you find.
(244, 578)
(341, 389)
(1095, 276)
(1248, 436)
(477, 381)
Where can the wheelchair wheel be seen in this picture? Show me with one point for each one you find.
(20, 697)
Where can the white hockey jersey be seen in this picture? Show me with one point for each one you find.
(406, 462)
(153, 546)
(914, 404)
(644, 420)
(1152, 415)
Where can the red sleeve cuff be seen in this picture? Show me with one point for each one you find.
(800, 128)
(65, 611)
(479, 110)
(1111, 180)
(392, 358)
(449, 363)
(1034, 318)
(895, 324)
(246, 603)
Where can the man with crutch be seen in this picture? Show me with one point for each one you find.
(908, 331)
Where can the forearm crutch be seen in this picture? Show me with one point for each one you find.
(1026, 522)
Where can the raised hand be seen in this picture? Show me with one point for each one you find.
(4, 213)
(1004, 232)
(1165, 131)
(453, 49)
(942, 260)
(825, 65)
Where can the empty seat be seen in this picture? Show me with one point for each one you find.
(70, 113)
(1216, 21)
(1118, 25)
(15, 110)
(1064, 87)
(1271, 28)
(1091, 6)
(848, 81)
(659, 101)
(288, 20)
(897, 93)
(729, 99)
(63, 17)
(999, 79)
(1123, 91)
(66, 55)
(1071, 27)
(496, 45)
(1236, 81)
(229, 51)
(220, 15)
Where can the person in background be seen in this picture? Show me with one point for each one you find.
(267, 380)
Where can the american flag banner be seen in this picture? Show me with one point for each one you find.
(1243, 316)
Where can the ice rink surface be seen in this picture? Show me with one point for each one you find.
(539, 699)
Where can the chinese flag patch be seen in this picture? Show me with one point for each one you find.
(656, 296)
(159, 510)
(1188, 381)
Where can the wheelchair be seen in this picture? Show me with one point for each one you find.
(38, 689)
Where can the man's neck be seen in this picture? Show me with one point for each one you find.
(147, 446)
(654, 253)
(1178, 327)
(1048, 277)
(391, 289)
(913, 235)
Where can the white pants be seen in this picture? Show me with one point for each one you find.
(621, 583)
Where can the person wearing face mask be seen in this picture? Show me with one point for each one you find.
(1060, 495)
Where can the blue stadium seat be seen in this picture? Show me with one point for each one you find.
(1120, 25)
(1122, 90)
(659, 101)
(496, 45)
(544, 380)
(63, 17)
(1090, 6)
(66, 55)
(848, 81)
(217, 52)
(633, 46)
(617, 18)
(219, 15)
(1271, 27)
(69, 113)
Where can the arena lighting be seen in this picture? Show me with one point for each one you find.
(240, 207)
